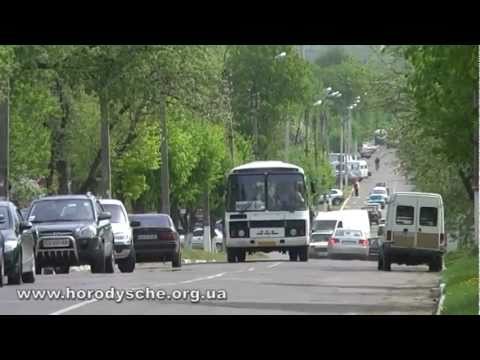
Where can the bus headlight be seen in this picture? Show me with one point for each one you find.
(241, 233)
(293, 232)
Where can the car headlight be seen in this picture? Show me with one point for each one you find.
(87, 232)
(10, 245)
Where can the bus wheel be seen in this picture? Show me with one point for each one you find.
(231, 255)
(293, 255)
(303, 254)
(241, 255)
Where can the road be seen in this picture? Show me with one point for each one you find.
(272, 286)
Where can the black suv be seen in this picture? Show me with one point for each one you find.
(72, 230)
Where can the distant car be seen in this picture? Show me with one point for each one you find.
(17, 247)
(319, 244)
(197, 239)
(379, 190)
(376, 199)
(381, 184)
(335, 195)
(156, 239)
(122, 235)
(348, 243)
(374, 213)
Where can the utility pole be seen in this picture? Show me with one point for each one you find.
(287, 138)
(164, 173)
(4, 143)
(476, 168)
(342, 153)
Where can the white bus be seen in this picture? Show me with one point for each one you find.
(267, 210)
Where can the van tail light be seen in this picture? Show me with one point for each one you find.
(389, 236)
(363, 242)
(332, 241)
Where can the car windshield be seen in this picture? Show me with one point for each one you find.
(320, 237)
(324, 225)
(118, 217)
(348, 233)
(376, 197)
(379, 191)
(161, 221)
(62, 210)
(5, 222)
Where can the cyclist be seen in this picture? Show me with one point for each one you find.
(377, 163)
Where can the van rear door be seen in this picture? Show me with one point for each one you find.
(404, 227)
(428, 220)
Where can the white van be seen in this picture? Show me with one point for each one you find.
(414, 231)
(355, 219)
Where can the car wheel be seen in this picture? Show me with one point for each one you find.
(98, 264)
(231, 258)
(110, 263)
(177, 260)
(128, 265)
(62, 269)
(293, 254)
(303, 254)
(15, 278)
(29, 277)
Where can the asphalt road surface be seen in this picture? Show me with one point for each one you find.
(272, 286)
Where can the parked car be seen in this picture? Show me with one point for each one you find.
(319, 244)
(122, 235)
(156, 239)
(414, 231)
(335, 195)
(349, 243)
(376, 199)
(17, 247)
(72, 230)
(197, 239)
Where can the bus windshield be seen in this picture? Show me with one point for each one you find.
(275, 192)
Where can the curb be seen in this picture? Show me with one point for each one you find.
(442, 299)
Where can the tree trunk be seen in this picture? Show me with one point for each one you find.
(165, 178)
(61, 161)
(105, 146)
(306, 121)
(315, 138)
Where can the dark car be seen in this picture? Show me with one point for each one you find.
(156, 239)
(374, 213)
(16, 246)
(72, 230)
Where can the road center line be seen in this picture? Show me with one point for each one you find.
(251, 269)
(273, 265)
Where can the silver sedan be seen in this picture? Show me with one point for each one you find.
(348, 243)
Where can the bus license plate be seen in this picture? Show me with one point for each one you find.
(267, 243)
(267, 232)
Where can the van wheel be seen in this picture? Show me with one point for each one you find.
(380, 262)
(435, 264)
(387, 262)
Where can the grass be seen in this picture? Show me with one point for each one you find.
(461, 279)
(194, 254)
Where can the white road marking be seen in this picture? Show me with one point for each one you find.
(273, 265)
(73, 307)
(251, 269)
(202, 278)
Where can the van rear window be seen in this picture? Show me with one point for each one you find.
(405, 215)
(428, 216)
